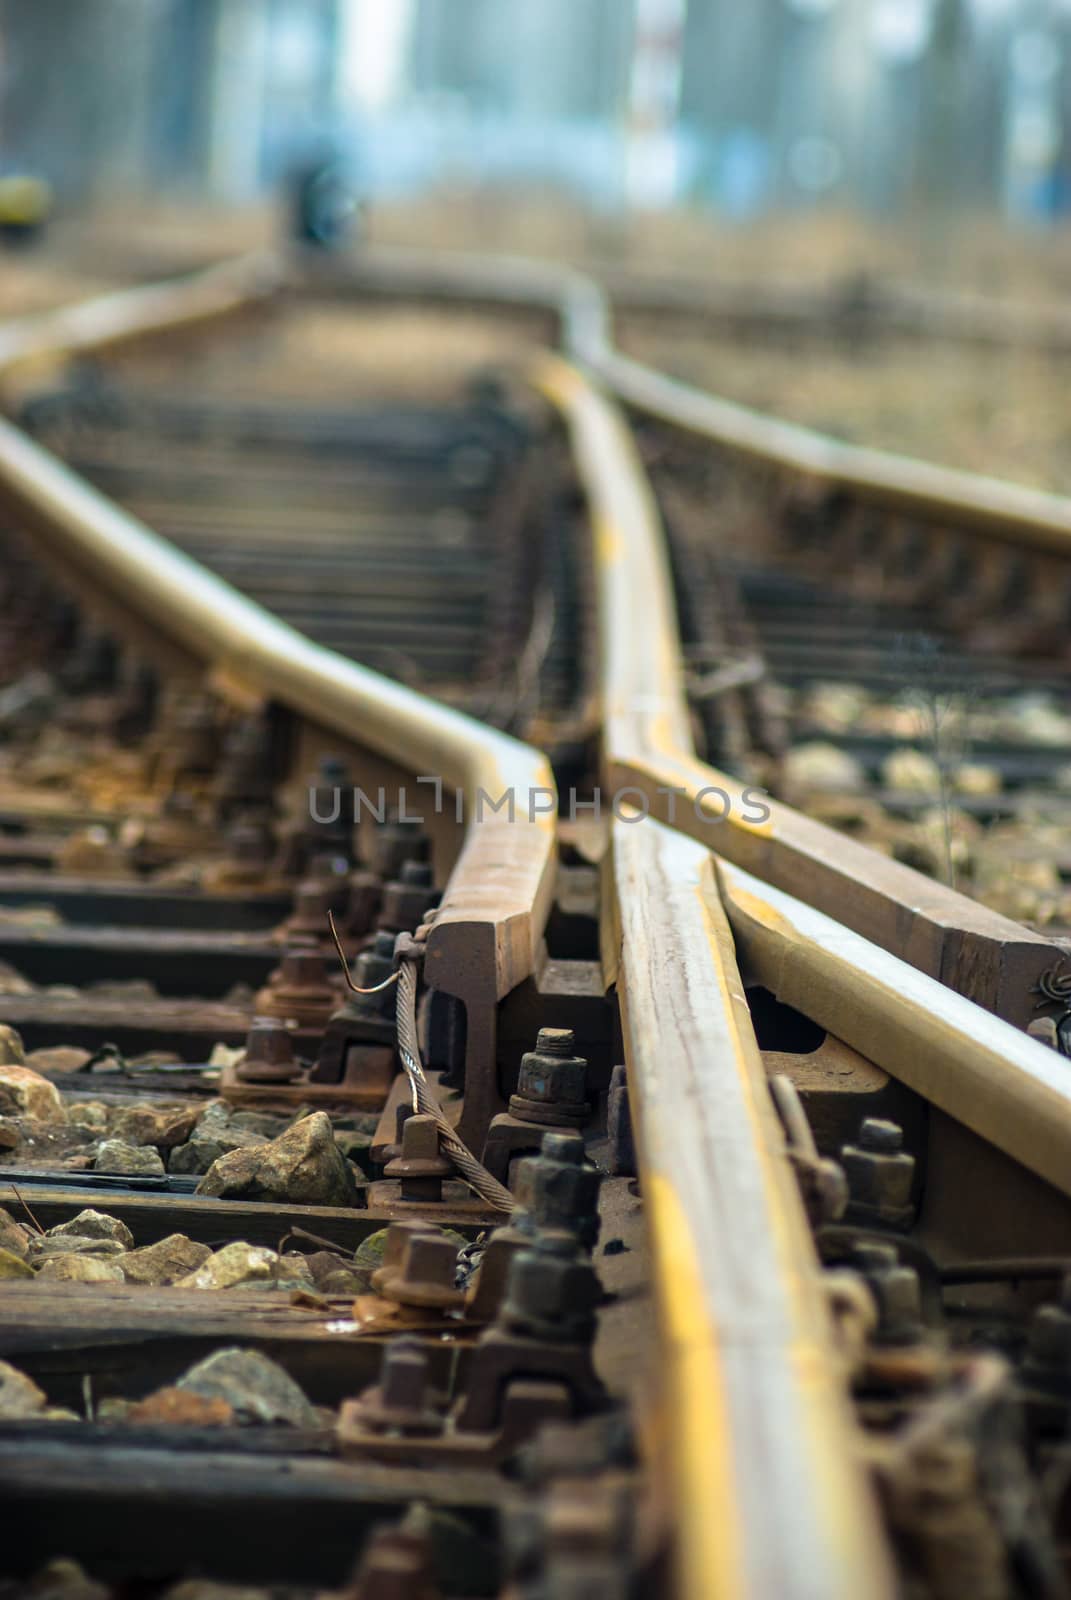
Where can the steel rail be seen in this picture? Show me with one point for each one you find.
(989, 958)
(728, 1231)
(1005, 512)
(771, 1494)
(40, 340)
(997, 1081)
(878, 308)
(489, 926)
(574, 301)
(648, 748)
(769, 1487)
(760, 1422)
(772, 1498)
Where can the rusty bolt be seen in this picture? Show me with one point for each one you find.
(250, 845)
(880, 1172)
(404, 1379)
(244, 775)
(426, 1274)
(895, 1288)
(487, 1289)
(365, 892)
(552, 1290)
(93, 665)
(420, 1167)
(300, 990)
(394, 842)
(307, 922)
(877, 1133)
(135, 707)
(1048, 1354)
(560, 1188)
(408, 898)
(269, 1053)
(552, 1082)
(331, 871)
(398, 1236)
(402, 1400)
(390, 1152)
(329, 821)
(397, 1562)
(195, 737)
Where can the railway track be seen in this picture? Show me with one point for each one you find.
(681, 1207)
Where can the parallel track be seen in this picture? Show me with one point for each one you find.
(787, 1417)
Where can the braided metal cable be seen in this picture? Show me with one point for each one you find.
(469, 1169)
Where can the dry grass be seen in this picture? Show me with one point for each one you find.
(988, 410)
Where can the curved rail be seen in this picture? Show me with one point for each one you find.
(761, 1424)
(489, 926)
(1007, 513)
(739, 1292)
(995, 1080)
(648, 748)
(984, 956)
(988, 958)
(29, 343)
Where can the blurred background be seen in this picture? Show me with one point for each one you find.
(905, 115)
(838, 149)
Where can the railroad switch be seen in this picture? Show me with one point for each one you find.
(880, 1174)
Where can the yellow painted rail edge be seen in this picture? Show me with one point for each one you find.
(770, 1494)
(648, 754)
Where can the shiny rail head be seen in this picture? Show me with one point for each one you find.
(756, 1389)
(1006, 1087)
